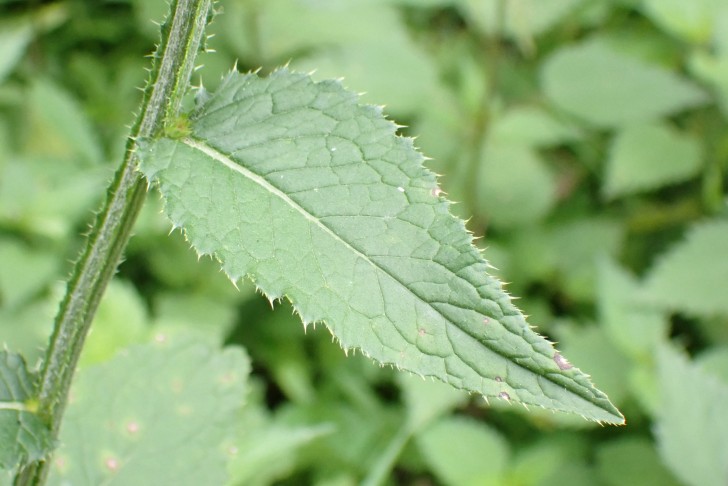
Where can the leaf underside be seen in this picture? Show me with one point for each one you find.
(314, 197)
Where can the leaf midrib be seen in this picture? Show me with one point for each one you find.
(228, 162)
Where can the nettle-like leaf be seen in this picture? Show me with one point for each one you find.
(23, 436)
(314, 197)
(157, 413)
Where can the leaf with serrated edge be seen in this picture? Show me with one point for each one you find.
(22, 434)
(314, 197)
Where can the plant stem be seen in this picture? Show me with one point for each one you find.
(172, 67)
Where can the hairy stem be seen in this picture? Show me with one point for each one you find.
(172, 67)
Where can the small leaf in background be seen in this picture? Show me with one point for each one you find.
(647, 157)
(155, 414)
(15, 35)
(545, 458)
(59, 126)
(715, 360)
(692, 426)
(427, 400)
(45, 195)
(315, 198)
(357, 42)
(268, 445)
(524, 19)
(593, 81)
(565, 255)
(22, 434)
(632, 460)
(464, 452)
(635, 327)
(25, 271)
(691, 276)
(26, 329)
(531, 126)
(514, 186)
(712, 69)
(693, 21)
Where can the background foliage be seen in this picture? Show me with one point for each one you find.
(588, 139)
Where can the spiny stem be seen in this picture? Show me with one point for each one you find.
(174, 60)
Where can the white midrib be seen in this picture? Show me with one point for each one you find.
(230, 164)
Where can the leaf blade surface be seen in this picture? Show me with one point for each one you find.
(315, 198)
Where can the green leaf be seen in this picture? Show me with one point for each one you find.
(691, 276)
(632, 460)
(155, 414)
(693, 21)
(635, 327)
(268, 446)
(23, 437)
(532, 126)
(523, 19)
(120, 321)
(692, 427)
(15, 35)
(427, 400)
(462, 452)
(315, 198)
(25, 271)
(514, 185)
(607, 88)
(646, 157)
(59, 126)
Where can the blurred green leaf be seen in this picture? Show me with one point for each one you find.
(514, 186)
(634, 327)
(693, 21)
(522, 19)
(15, 35)
(463, 452)
(267, 446)
(59, 126)
(25, 271)
(647, 157)
(715, 361)
(692, 427)
(16, 32)
(712, 69)
(548, 456)
(565, 256)
(532, 126)
(26, 329)
(45, 196)
(189, 312)
(23, 436)
(632, 460)
(155, 414)
(609, 89)
(690, 277)
(120, 321)
(427, 400)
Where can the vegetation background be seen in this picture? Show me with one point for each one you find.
(586, 140)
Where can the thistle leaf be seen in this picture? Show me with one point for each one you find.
(314, 197)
